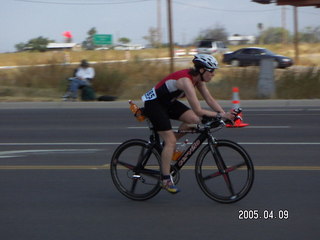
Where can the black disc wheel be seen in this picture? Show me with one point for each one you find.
(224, 171)
(135, 169)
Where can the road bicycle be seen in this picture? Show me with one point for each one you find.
(223, 169)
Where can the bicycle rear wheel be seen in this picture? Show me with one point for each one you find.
(135, 169)
(224, 171)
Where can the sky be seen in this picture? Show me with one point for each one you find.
(22, 20)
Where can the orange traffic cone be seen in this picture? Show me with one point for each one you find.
(238, 122)
(235, 98)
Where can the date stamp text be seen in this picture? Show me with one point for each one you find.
(255, 214)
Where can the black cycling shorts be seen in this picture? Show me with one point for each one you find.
(160, 113)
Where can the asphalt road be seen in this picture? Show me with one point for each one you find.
(55, 181)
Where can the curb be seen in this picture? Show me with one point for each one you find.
(124, 104)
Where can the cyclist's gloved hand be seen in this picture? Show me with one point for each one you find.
(229, 117)
(236, 111)
(206, 119)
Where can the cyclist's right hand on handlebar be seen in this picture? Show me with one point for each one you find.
(232, 115)
(236, 116)
(229, 116)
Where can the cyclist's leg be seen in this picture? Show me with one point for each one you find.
(160, 119)
(168, 149)
(160, 115)
(184, 114)
(166, 156)
(188, 117)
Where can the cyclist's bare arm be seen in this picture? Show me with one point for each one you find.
(202, 87)
(186, 85)
(213, 104)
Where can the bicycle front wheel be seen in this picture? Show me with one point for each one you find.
(224, 171)
(135, 169)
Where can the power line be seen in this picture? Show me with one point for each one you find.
(82, 3)
(222, 10)
(306, 12)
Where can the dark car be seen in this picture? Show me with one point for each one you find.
(253, 56)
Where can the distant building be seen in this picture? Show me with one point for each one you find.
(63, 46)
(240, 40)
(129, 47)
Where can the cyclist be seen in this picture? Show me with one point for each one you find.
(161, 105)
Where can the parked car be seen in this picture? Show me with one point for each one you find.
(180, 52)
(211, 47)
(128, 47)
(193, 51)
(253, 56)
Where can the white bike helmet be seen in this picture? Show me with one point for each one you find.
(205, 61)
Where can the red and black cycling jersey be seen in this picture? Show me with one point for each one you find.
(166, 90)
(161, 103)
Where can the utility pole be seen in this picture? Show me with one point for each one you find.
(171, 47)
(159, 22)
(296, 34)
(283, 18)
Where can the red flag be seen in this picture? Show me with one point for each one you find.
(67, 34)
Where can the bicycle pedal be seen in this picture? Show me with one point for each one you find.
(136, 176)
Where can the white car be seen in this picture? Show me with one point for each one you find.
(180, 52)
(193, 51)
(129, 47)
(211, 47)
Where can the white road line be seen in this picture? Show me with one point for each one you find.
(22, 153)
(298, 110)
(286, 114)
(273, 110)
(107, 166)
(118, 143)
(279, 143)
(269, 127)
(59, 144)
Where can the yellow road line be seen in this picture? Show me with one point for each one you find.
(55, 167)
(288, 168)
(270, 168)
(107, 166)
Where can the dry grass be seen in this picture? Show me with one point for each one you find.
(132, 79)
(309, 55)
(58, 57)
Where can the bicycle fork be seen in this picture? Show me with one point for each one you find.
(222, 168)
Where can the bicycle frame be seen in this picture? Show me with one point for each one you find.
(184, 158)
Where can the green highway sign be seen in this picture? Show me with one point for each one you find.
(102, 39)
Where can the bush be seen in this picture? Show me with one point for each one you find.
(132, 79)
(128, 80)
(244, 78)
(304, 84)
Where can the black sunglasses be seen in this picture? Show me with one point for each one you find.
(211, 70)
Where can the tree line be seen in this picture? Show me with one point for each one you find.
(269, 35)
